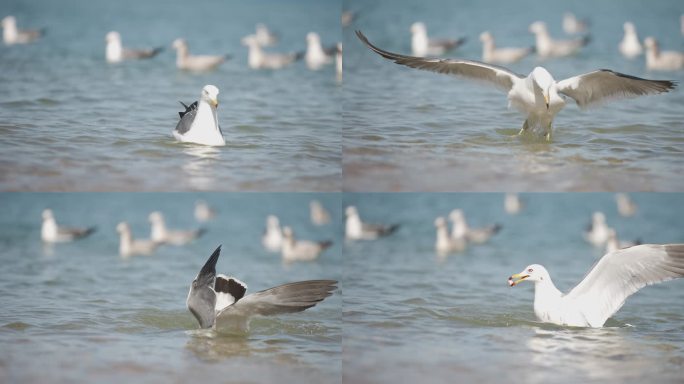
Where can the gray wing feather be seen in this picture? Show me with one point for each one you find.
(187, 118)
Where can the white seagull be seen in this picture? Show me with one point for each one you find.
(597, 231)
(604, 289)
(422, 45)
(272, 239)
(319, 216)
(626, 207)
(160, 234)
(355, 229)
(538, 95)
(316, 56)
(572, 25)
(630, 46)
(203, 212)
(301, 250)
(50, 232)
(258, 59)
(128, 246)
(116, 53)
(220, 302)
(658, 60)
(613, 244)
(445, 244)
(512, 204)
(461, 231)
(13, 35)
(196, 63)
(547, 47)
(198, 123)
(264, 36)
(492, 54)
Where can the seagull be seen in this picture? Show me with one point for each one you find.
(338, 62)
(50, 232)
(160, 234)
(548, 47)
(572, 25)
(512, 204)
(258, 59)
(658, 60)
(445, 244)
(198, 124)
(538, 95)
(625, 205)
(12, 35)
(195, 63)
(604, 289)
(355, 229)
(203, 212)
(319, 216)
(613, 244)
(491, 54)
(301, 250)
(461, 231)
(219, 301)
(422, 45)
(128, 246)
(264, 37)
(597, 231)
(348, 17)
(115, 52)
(630, 46)
(316, 57)
(272, 239)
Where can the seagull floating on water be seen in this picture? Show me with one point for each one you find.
(264, 36)
(658, 60)
(613, 244)
(604, 289)
(198, 123)
(355, 229)
(630, 46)
(597, 231)
(160, 234)
(272, 239)
(461, 231)
(301, 250)
(197, 63)
(626, 207)
(422, 45)
(445, 244)
(220, 302)
(203, 212)
(50, 232)
(319, 216)
(316, 57)
(258, 59)
(512, 204)
(116, 53)
(491, 54)
(538, 95)
(13, 35)
(128, 246)
(572, 25)
(548, 47)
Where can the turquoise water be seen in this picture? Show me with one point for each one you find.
(77, 312)
(411, 130)
(69, 121)
(411, 316)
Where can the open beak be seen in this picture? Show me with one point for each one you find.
(517, 278)
(546, 100)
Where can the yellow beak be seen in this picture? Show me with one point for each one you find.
(517, 278)
(214, 102)
(546, 100)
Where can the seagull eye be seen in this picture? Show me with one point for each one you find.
(530, 270)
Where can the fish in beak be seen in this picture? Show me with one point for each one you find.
(516, 279)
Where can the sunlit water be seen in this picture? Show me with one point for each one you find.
(411, 316)
(70, 121)
(411, 130)
(78, 312)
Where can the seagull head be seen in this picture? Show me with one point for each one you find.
(535, 273)
(179, 44)
(543, 82)
(288, 233)
(155, 217)
(9, 22)
(47, 214)
(599, 218)
(538, 27)
(486, 37)
(440, 222)
(418, 27)
(210, 95)
(122, 227)
(202, 298)
(112, 36)
(350, 211)
(628, 27)
(650, 42)
(272, 221)
(456, 215)
(250, 41)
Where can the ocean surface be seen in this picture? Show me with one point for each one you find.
(413, 317)
(412, 130)
(69, 121)
(78, 312)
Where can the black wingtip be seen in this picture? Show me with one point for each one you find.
(210, 266)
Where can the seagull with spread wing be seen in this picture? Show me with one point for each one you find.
(537, 95)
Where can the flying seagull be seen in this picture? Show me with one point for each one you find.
(198, 123)
(603, 291)
(50, 232)
(538, 95)
(219, 301)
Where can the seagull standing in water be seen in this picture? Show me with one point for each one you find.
(220, 302)
(537, 95)
(198, 123)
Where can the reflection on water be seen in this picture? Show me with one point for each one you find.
(210, 346)
(203, 158)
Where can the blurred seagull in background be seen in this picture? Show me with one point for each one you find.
(597, 231)
(491, 54)
(301, 250)
(198, 123)
(355, 229)
(538, 95)
(445, 244)
(422, 45)
(50, 232)
(220, 302)
(658, 60)
(272, 239)
(572, 25)
(196, 63)
(319, 216)
(116, 53)
(613, 244)
(461, 231)
(512, 204)
(264, 36)
(128, 246)
(547, 47)
(626, 207)
(630, 46)
(13, 35)
(160, 234)
(258, 59)
(203, 212)
(316, 57)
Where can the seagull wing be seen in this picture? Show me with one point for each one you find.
(604, 84)
(618, 275)
(500, 77)
(187, 118)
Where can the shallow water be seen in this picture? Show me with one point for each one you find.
(69, 121)
(77, 312)
(411, 130)
(410, 315)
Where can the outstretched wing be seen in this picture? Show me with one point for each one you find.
(500, 77)
(228, 291)
(618, 275)
(604, 84)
